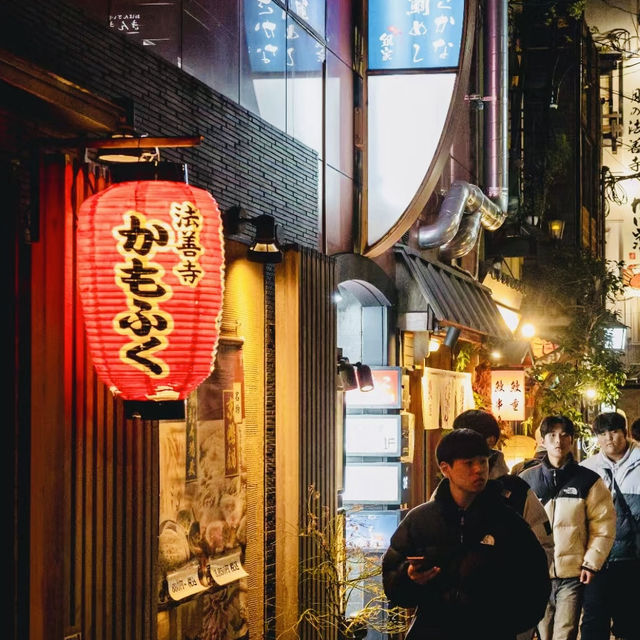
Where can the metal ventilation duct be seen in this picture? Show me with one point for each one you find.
(466, 208)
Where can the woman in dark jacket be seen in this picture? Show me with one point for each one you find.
(473, 546)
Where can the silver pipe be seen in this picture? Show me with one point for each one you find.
(446, 225)
(462, 212)
(496, 114)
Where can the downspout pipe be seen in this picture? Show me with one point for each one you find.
(496, 111)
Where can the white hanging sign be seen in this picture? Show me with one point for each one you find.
(184, 582)
(227, 568)
(507, 394)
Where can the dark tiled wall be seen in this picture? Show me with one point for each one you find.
(243, 160)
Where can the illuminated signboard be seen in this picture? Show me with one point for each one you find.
(507, 394)
(372, 435)
(386, 392)
(276, 43)
(372, 483)
(404, 34)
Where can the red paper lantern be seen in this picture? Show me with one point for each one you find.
(151, 279)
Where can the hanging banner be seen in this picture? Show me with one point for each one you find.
(445, 394)
(507, 394)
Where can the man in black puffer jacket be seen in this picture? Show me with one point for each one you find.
(470, 545)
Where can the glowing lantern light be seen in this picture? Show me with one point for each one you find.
(151, 279)
(518, 448)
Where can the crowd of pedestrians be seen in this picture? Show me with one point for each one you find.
(548, 550)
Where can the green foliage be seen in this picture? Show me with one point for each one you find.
(569, 291)
(336, 571)
(463, 357)
(545, 174)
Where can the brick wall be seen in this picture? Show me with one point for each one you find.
(243, 160)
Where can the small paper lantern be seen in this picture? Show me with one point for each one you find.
(151, 279)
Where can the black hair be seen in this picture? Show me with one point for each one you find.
(549, 422)
(609, 421)
(461, 444)
(479, 420)
(635, 429)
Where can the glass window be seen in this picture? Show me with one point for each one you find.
(155, 26)
(210, 49)
(263, 61)
(338, 211)
(305, 61)
(339, 115)
(339, 29)
(311, 11)
(405, 120)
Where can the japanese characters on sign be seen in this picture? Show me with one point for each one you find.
(128, 23)
(185, 582)
(276, 42)
(415, 34)
(227, 569)
(507, 394)
(144, 321)
(230, 434)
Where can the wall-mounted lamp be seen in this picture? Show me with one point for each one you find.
(556, 229)
(265, 247)
(354, 376)
(451, 337)
(615, 335)
(347, 374)
(365, 377)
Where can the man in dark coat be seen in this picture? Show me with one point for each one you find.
(454, 559)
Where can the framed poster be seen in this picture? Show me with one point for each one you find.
(371, 531)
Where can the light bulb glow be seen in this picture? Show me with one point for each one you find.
(527, 330)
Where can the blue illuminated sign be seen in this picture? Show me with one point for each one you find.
(415, 34)
(276, 43)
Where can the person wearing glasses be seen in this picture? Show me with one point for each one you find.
(583, 520)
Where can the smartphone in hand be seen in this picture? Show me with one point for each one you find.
(418, 563)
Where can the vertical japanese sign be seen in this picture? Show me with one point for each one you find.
(507, 394)
(415, 34)
(230, 434)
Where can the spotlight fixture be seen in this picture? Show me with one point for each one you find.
(347, 374)
(365, 377)
(453, 333)
(356, 376)
(265, 247)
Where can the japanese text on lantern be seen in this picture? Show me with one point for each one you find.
(187, 221)
(142, 280)
(507, 394)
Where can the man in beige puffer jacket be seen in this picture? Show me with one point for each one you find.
(583, 519)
